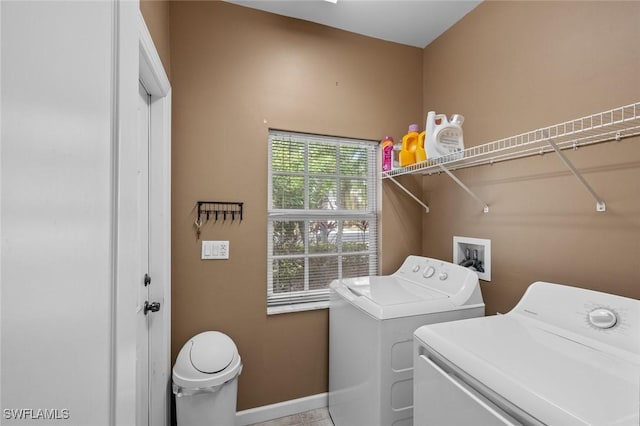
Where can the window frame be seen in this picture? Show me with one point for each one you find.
(310, 299)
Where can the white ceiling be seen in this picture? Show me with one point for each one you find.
(411, 22)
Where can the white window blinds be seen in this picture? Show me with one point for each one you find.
(322, 216)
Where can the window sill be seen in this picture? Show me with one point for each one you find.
(276, 310)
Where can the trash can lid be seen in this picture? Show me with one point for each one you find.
(207, 359)
(212, 352)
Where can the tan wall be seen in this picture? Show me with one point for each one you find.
(511, 67)
(236, 72)
(508, 67)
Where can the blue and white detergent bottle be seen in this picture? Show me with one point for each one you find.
(444, 137)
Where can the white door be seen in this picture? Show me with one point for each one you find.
(144, 310)
(153, 354)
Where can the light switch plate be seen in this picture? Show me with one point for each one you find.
(215, 250)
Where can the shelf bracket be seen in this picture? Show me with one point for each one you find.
(485, 208)
(600, 205)
(417, 200)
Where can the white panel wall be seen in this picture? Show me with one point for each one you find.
(57, 210)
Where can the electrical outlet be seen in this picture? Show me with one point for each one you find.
(215, 250)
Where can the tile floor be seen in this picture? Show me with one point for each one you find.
(318, 417)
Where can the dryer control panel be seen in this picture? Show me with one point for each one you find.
(605, 318)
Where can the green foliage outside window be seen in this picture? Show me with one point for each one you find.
(313, 247)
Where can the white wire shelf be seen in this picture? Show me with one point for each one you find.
(615, 124)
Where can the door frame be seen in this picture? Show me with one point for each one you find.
(134, 59)
(153, 77)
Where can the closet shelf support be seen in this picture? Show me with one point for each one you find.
(600, 205)
(416, 199)
(485, 207)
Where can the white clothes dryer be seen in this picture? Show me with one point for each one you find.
(563, 356)
(371, 325)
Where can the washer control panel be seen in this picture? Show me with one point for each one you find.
(444, 276)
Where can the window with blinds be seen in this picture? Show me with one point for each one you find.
(322, 217)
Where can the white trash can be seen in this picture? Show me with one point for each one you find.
(205, 380)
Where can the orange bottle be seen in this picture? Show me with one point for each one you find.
(412, 150)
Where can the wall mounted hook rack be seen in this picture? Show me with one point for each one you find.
(219, 210)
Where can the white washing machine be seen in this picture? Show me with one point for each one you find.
(371, 325)
(563, 356)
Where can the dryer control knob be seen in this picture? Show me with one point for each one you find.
(429, 272)
(602, 318)
(443, 276)
(416, 268)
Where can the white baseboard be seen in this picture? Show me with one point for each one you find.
(281, 409)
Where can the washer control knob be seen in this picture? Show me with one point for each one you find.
(416, 268)
(603, 318)
(429, 272)
(443, 276)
